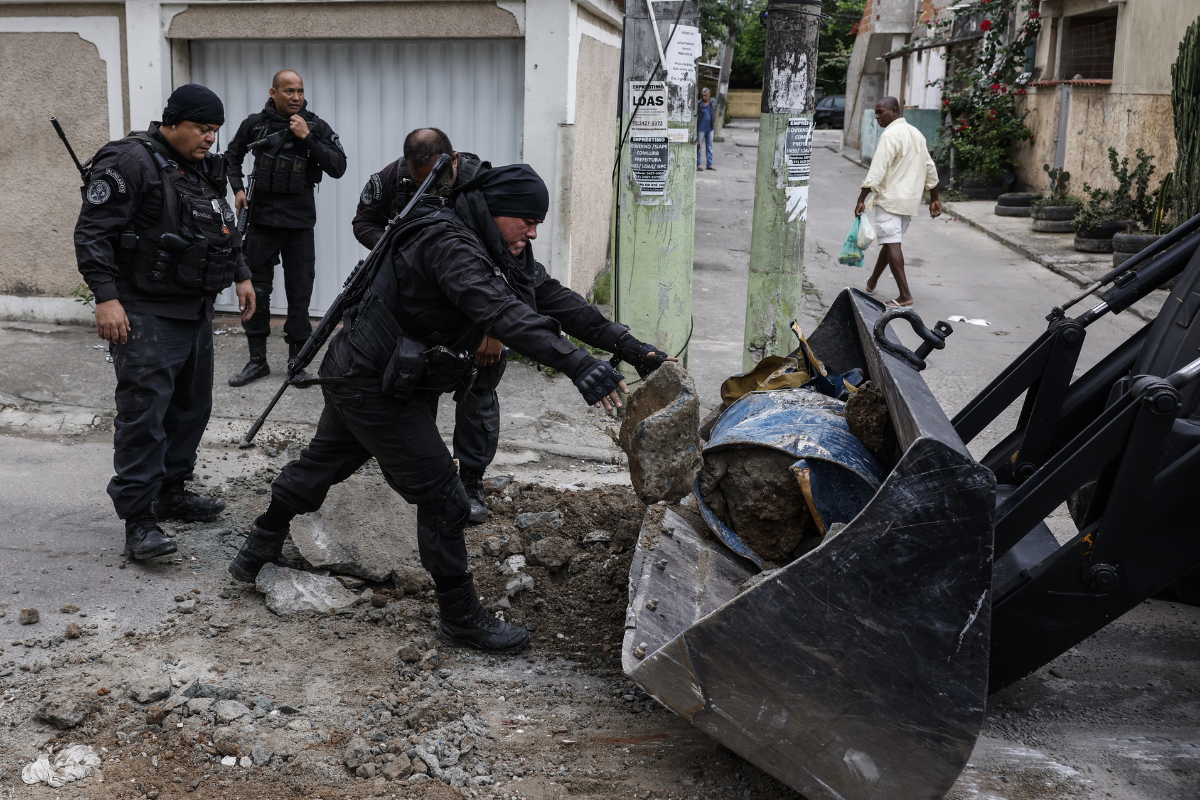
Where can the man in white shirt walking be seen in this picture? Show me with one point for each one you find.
(900, 171)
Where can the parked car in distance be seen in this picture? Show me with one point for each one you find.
(831, 111)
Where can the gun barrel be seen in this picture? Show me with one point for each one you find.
(248, 441)
(63, 135)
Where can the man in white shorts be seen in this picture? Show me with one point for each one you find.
(900, 172)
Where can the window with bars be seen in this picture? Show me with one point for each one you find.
(1090, 46)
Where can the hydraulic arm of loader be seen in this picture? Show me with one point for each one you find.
(1053, 407)
(860, 670)
(1120, 443)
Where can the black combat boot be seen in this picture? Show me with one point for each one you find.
(257, 366)
(472, 481)
(466, 623)
(176, 502)
(303, 375)
(144, 539)
(261, 547)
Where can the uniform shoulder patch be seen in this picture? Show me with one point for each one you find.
(99, 192)
(115, 178)
(373, 190)
(539, 274)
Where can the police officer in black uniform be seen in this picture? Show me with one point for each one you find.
(477, 414)
(156, 242)
(462, 270)
(299, 148)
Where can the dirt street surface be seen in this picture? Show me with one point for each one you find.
(186, 685)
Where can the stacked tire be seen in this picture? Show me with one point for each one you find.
(1054, 219)
(1015, 204)
(1126, 245)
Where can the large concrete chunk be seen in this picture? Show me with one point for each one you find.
(661, 435)
(290, 591)
(364, 529)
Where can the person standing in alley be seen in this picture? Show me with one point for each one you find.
(300, 147)
(900, 172)
(704, 128)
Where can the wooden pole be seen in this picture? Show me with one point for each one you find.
(775, 294)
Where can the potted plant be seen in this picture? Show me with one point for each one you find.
(982, 122)
(1149, 221)
(1055, 210)
(1108, 213)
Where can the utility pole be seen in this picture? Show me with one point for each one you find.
(776, 291)
(723, 87)
(655, 218)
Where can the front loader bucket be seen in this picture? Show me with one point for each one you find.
(859, 670)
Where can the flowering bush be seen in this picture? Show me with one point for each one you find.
(983, 80)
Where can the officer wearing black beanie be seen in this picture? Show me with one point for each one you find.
(156, 242)
(460, 270)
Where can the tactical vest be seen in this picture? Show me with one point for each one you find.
(189, 250)
(406, 364)
(286, 167)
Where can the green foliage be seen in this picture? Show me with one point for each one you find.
(84, 296)
(720, 20)
(982, 82)
(833, 49)
(602, 289)
(1162, 208)
(751, 50)
(1185, 100)
(1132, 200)
(837, 41)
(1060, 184)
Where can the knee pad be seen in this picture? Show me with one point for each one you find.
(448, 511)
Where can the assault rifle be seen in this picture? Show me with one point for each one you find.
(352, 293)
(267, 141)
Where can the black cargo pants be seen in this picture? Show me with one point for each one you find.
(357, 424)
(265, 245)
(163, 399)
(477, 420)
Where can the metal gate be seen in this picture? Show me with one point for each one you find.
(373, 92)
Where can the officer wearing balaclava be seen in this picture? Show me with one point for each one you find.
(461, 270)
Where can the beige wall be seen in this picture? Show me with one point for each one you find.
(44, 75)
(1098, 119)
(1148, 37)
(78, 10)
(744, 103)
(592, 162)
(415, 20)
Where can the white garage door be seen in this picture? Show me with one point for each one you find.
(373, 92)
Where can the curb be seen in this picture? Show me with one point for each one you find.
(1065, 272)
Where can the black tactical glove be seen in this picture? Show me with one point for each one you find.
(631, 351)
(595, 379)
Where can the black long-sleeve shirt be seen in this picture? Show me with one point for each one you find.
(450, 283)
(321, 146)
(127, 186)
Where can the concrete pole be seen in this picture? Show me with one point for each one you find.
(723, 88)
(654, 236)
(775, 294)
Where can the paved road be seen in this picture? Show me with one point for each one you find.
(1130, 730)
(952, 268)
